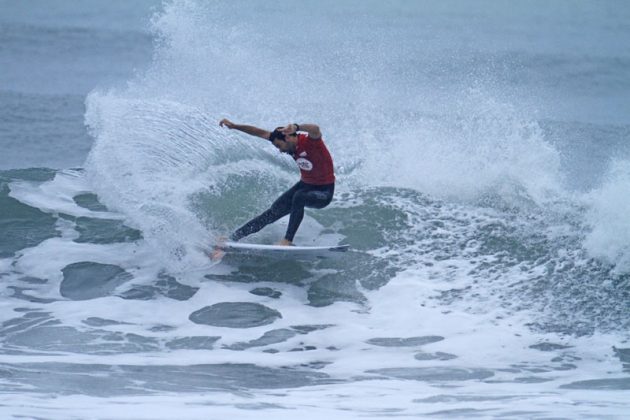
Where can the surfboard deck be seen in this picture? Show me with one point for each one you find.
(283, 251)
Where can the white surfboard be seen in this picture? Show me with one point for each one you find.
(284, 251)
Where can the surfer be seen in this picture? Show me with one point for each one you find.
(315, 188)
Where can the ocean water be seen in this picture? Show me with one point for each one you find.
(483, 170)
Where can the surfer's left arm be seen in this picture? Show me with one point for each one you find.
(311, 129)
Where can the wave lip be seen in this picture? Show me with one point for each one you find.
(609, 238)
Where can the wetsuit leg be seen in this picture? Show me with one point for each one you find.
(280, 208)
(314, 197)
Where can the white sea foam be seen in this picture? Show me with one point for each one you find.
(57, 195)
(478, 146)
(400, 309)
(609, 207)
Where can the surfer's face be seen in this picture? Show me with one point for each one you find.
(287, 146)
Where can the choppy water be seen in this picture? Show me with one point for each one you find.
(483, 169)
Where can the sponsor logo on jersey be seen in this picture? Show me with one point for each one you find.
(304, 164)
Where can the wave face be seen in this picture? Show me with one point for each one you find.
(487, 220)
(401, 115)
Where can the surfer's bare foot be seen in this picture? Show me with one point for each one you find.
(285, 242)
(217, 254)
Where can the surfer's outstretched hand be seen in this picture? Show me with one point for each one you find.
(226, 123)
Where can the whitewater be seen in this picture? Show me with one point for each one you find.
(483, 169)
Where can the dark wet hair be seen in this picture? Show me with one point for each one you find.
(277, 135)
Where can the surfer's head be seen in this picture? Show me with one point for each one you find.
(286, 143)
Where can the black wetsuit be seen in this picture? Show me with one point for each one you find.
(291, 202)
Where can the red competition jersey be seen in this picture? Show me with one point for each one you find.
(314, 161)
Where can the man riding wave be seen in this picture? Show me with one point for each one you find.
(315, 188)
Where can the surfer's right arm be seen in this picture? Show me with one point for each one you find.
(248, 129)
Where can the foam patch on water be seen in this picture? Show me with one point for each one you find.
(57, 196)
(372, 368)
